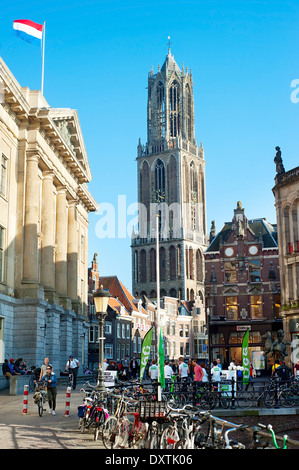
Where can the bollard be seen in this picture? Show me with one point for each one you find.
(68, 401)
(25, 400)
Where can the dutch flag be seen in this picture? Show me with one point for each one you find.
(28, 31)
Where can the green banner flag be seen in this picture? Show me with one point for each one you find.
(145, 351)
(245, 357)
(161, 360)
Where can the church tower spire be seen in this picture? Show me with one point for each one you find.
(171, 180)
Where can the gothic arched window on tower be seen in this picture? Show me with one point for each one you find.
(174, 109)
(160, 100)
(160, 176)
(188, 115)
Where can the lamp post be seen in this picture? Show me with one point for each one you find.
(101, 299)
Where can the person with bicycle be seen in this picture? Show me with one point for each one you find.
(73, 366)
(50, 381)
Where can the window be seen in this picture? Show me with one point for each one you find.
(181, 330)
(108, 327)
(3, 176)
(139, 344)
(118, 331)
(160, 98)
(134, 344)
(108, 350)
(2, 247)
(174, 109)
(230, 272)
(94, 334)
(128, 331)
(256, 307)
(123, 329)
(231, 305)
(254, 271)
(173, 328)
(187, 331)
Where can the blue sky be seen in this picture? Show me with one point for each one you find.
(243, 56)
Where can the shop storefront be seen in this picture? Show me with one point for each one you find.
(226, 344)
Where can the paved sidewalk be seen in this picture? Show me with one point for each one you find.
(30, 431)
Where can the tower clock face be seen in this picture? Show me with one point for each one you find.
(159, 195)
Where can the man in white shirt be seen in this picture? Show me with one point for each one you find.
(183, 372)
(153, 370)
(216, 372)
(73, 365)
(168, 373)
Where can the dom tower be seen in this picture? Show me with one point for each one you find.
(171, 183)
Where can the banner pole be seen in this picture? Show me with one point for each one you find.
(43, 56)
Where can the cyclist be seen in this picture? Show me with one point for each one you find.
(73, 366)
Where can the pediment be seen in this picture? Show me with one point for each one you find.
(233, 290)
(67, 123)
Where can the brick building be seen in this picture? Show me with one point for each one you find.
(242, 287)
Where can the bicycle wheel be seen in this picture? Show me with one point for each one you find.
(110, 433)
(224, 400)
(182, 444)
(169, 438)
(269, 399)
(31, 383)
(123, 434)
(154, 440)
(208, 400)
(287, 398)
(40, 406)
(245, 399)
(138, 436)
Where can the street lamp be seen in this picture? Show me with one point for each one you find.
(209, 343)
(101, 299)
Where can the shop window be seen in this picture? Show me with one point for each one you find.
(218, 338)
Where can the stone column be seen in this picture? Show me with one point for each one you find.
(48, 235)
(72, 250)
(61, 242)
(30, 249)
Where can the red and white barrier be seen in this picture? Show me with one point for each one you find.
(25, 400)
(68, 402)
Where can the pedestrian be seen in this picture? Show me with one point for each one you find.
(168, 373)
(153, 370)
(73, 366)
(175, 367)
(216, 373)
(43, 368)
(6, 370)
(133, 367)
(205, 377)
(219, 363)
(183, 372)
(296, 369)
(190, 369)
(198, 372)
(105, 364)
(50, 380)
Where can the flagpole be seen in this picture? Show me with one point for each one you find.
(43, 56)
(158, 301)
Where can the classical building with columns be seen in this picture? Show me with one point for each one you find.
(286, 193)
(44, 207)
